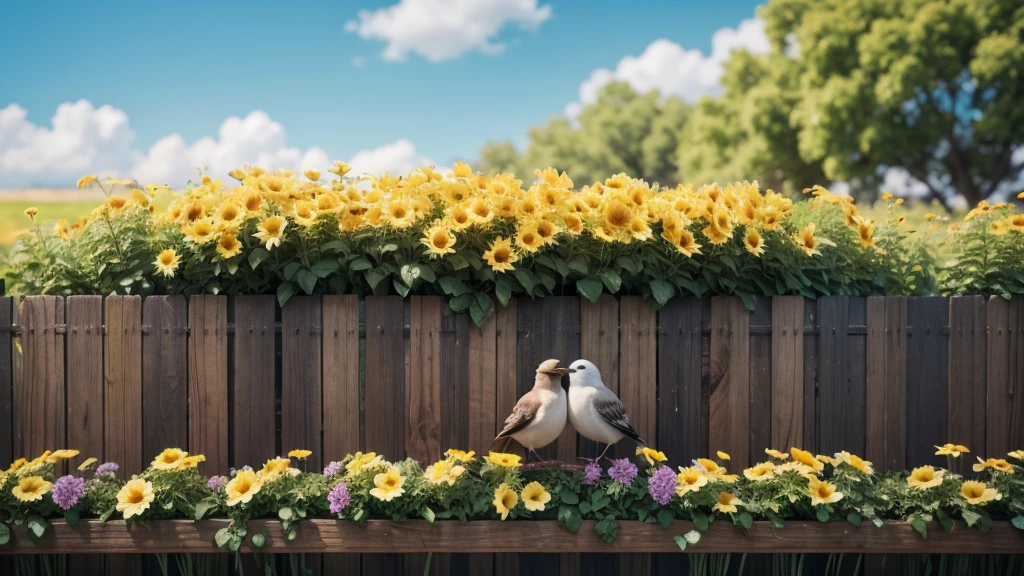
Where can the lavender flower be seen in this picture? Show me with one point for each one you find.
(67, 490)
(622, 471)
(216, 483)
(662, 485)
(332, 469)
(106, 467)
(339, 498)
(592, 473)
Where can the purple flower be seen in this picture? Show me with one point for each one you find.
(67, 490)
(332, 468)
(216, 483)
(662, 485)
(106, 467)
(622, 471)
(592, 473)
(339, 498)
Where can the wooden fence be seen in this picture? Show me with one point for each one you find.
(241, 380)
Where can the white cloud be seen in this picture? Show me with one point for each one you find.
(443, 29)
(674, 71)
(88, 140)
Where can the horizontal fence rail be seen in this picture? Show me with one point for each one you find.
(240, 380)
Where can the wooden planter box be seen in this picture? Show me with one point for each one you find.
(384, 536)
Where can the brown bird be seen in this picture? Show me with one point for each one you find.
(540, 414)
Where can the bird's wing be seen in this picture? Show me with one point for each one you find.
(524, 413)
(610, 408)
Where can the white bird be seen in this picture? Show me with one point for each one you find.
(539, 416)
(594, 410)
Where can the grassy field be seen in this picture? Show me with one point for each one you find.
(13, 219)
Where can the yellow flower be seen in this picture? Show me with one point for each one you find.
(528, 240)
(761, 472)
(686, 245)
(339, 168)
(616, 215)
(854, 461)
(17, 464)
(503, 459)
(865, 231)
(62, 455)
(116, 202)
(887, 196)
(134, 497)
(439, 241)
(823, 492)
(1018, 454)
(270, 231)
(710, 466)
(169, 459)
(651, 455)
(727, 503)
(776, 454)
(228, 246)
(88, 462)
(753, 242)
(501, 257)
(192, 461)
(978, 493)
(505, 499)
(237, 174)
(804, 457)
(301, 454)
(723, 455)
(229, 215)
(304, 213)
(362, 462)
(953, 450)
(806, 240)
(313, 175)
(31, 488)
(690, 479)
(86, 180)
(460, 455)
(925, 477)
(1020, 196)
(31, 212)
(200, 231)
(275, 466)
(995, 464)
(459, 217)
(388, 485)
(462, 170)
(167, 262)
(443, 471)
(573, 224)
(546, 229)
(242, 487)
(400, 214)
(1017, 222)
(998, 227)
(535, 496)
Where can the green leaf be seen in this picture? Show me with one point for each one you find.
(36, 526)
(547, 280)
(72, 516)
(452, 286)
(853, 518)
(631, 264)
(745, 520)
(285, 513)
(1018, 522)
(568, 496)
(700, 521)
(360, 263)
(106, 515)
(661, 291)
(257, 256)
(410, 273)
(525, 279)
(5, 534)
(944, 520)
(307, 280)
(478, 314)
(202, 508)
(692, 537)
(503, 290)
(461, 303)
(284, 292)
(402, 289)
(574, 521)
(590, 289)
(427, 273)
(920, 527)
(775, 519)
(290, 269)
(258, 540)
(374, 277)
(222, 537)
(971, 517)
(427, 514)
(665, 518)
(325, 268)
(611, 279)
(585, 507)
(578, 265)
(822, 513)
(607, 528)
(680, 541)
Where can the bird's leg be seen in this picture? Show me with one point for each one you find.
(605, 451)
(532, 451)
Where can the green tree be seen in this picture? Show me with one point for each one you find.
(930, 86)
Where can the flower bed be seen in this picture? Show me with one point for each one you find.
(838, 497)
(480, 240)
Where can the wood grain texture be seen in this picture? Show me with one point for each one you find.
(6, 383)
(164, 374)
(760, 379)
(383, 536)
(811, 326)
(301, 384)
(208, 381)
(967, 382)
(1005, 374)
(729, 424)
(423, 388)
(253, 404)
(39, 401)
(927, 379)
(682, 432)
(506, 335)
(787, 373)
(482, 382)
(599, 343)
(341, 399)
(122, 394)
(886, 385)
(85, 375)
(842, 361)
(1016, 400)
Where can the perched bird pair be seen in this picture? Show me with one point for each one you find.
(593, 410)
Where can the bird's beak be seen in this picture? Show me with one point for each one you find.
(556, 371)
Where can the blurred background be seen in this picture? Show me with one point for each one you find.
(919, 98)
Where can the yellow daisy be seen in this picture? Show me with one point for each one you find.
(535, 496)
(727, 503)
(823, 492)
(690, 479)
(439, 240)
(169, 459)
(925, 477)
(135, 497)
(501, 257)
(31, 488)
(505, 499)
(388, 485)
(167, 262)
(503, 459)
(302, 454)
(978, 492)
(270, 231)
(242, 487)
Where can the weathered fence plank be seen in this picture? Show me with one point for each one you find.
(787, 369)
(164, 374)
(1005, 373)
(967, 382)
(599, 343)
(39, 401)
(254, 437)
(760, 380)
(729, 425)
(208, 381)
(841, 374)
(506, 334)
(886, 386)
(85, 375)
(6, 383)
(301, 385)
(927, 378)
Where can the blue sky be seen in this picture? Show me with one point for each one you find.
(184, 67)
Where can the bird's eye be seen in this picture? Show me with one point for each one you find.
(581, 368)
